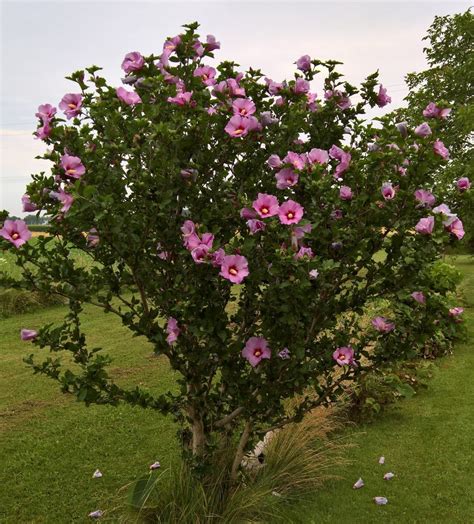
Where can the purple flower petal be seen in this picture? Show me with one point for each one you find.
(359, 484)
(380, 501)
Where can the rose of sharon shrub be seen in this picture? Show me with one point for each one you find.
(237, 224)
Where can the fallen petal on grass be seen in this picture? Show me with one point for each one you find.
(155, 465)
(359, 484)
(382, 460)
(97, 514)
(388, 476)
(97, 474)
(380, 501)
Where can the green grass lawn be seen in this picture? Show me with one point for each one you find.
(50, 445)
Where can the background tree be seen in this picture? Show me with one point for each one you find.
(449, 82)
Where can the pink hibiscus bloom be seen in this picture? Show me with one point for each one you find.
(128, 97)
(463, 184)
(255, 350)
(286, 178)
(46, 112)
(173, 331)
(133, 61)
(266, 205)
(243, 107)
(318, 156)
(71, 104)
(234, 268)
(255, 225)
(382, 98)
(423, 130)
(72, 166)
(28, 205)
(425, 198)
(303, 63)
(345, 193)
(290, 212)
(419, 297)
(296, 160)
(383, 325)
(344, 356)
(388, 191)
(65, 198)
(440, 149)
(16, 232)
(207, 75)
(425, 226)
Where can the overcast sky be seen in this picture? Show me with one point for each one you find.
(44, 41)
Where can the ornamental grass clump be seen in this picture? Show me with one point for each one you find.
(231, 220)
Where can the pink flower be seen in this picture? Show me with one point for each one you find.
(303, 63)
(128, 97)
(442, 209)
(425, 226)
(234, 268)
(207, 240)
(274, 161)
(284, 354)
(455, 227)
(173, 331)
(191, 241)
(43, 132)
(199, 254)
(380, 501)
(342, 100)
(255, 225)
(46, 112)
(433, 111)
(273, 87)
(28, 204)
(456, 311)
(425, 198)
(290, 212)
(243, 107)
(28, 334)
(255, 350)
(266, 205)
(301, 86)
(286, 178)
(154, 466)
(296, 160)
(217, 257)
(388, 191)
(16, 232)
(344, 356)
(171, 44)
(207, 75)
(388, 476)
(318, 156)
(300, 231)
(238, 126)
(211, 43)
(344, 160)
(463, 184)
(311, 102)
(382, 98)
(97, 514)
(383, 325)
(345, 193)
(182, 98)
(440, 149)
(65, 198)
(304, 252)
(133, 61)
(313, 274)
(198, 48)
(71, 104)
(72, 166)
(419, 297)
(337, 214)
(247, 213)
(423, 130)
